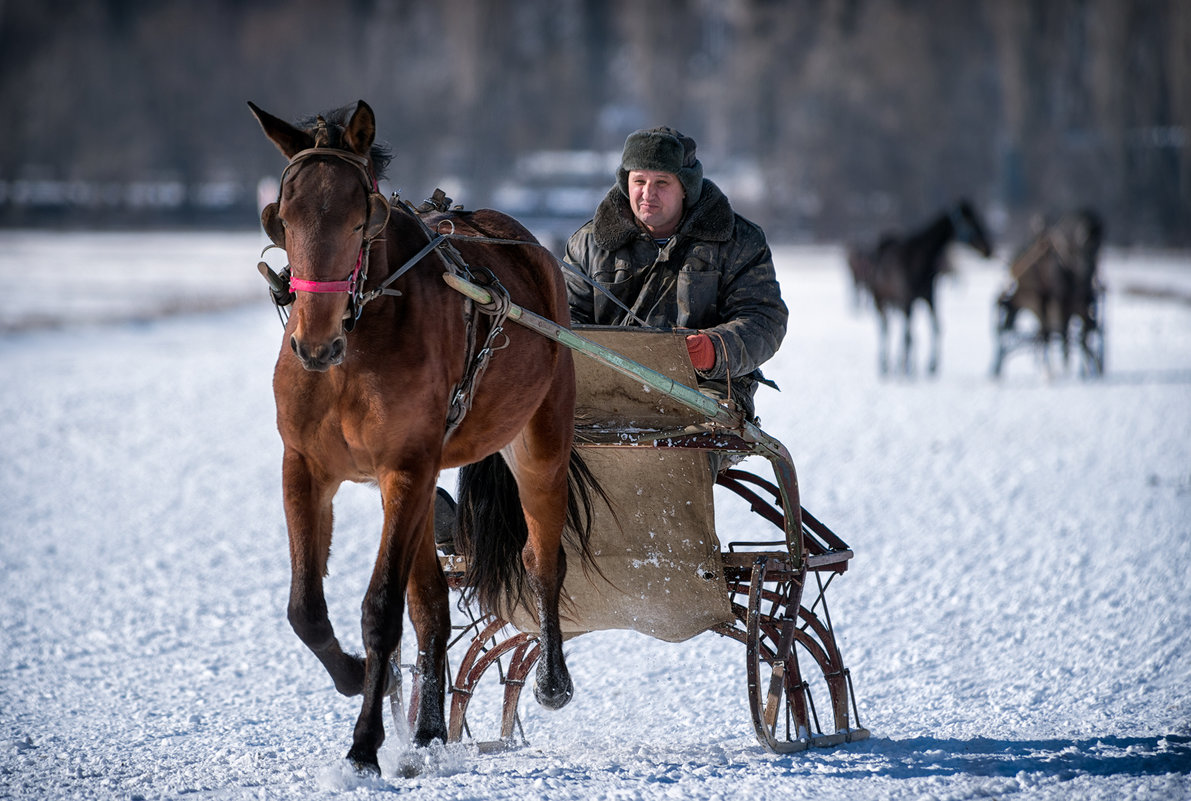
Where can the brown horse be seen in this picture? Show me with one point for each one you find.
(1055, 277)
(387, 375)
(904, 269)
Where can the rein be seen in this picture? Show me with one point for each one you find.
(283, 285)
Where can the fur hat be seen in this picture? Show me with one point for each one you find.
(666, 150)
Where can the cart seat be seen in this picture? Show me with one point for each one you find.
(658, 568)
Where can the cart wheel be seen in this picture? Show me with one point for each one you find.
(1095, 337)
(487, 649)
(402, 724)
(781, 701)
(999, 356)
(1092, 363)
(999, 336)
(777, 693)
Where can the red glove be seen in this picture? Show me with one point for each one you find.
(701, 350)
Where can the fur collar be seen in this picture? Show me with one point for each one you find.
(711, 220)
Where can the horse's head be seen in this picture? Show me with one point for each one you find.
(1077, 238)
(327, 213)
(970, 229)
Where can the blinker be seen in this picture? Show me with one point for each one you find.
(278, 284)
(271, 222)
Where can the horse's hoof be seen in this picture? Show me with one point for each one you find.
(553, 699)
(424, 737)
(427, 740)
(410, 766)
(365, 764)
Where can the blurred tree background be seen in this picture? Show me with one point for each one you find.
(824, 120)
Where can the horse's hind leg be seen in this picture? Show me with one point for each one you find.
(540, 459)
(545, 565)
(431, 617)
(308, 518)
(935, 339)
(1092, 363)
(883, 342)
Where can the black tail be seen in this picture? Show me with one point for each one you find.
(492, 530)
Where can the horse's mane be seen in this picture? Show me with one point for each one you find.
(337, 120)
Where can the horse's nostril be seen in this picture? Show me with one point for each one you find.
(293, 344)
(338, 346)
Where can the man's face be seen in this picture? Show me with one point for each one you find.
(656, 200)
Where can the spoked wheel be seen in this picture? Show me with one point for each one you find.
(402, 719)
(1002, 332)
(493, 646)
(781, 702)
(775, 686)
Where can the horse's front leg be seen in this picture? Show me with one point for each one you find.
(882, 342)
(406, 502)
(308, 499)
(935, 339)
(1091, 360)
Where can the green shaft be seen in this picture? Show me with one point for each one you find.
(762, 443)
(688, 396)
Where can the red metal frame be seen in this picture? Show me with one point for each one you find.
(766, 590)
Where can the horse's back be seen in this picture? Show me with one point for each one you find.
(529, 271)
(528, 379)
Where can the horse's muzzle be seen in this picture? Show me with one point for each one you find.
(319, 358)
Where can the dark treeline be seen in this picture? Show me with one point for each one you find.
(825, 119)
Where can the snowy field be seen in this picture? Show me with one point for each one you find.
(1017, 618)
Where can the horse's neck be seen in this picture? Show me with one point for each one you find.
(405, 235)
(932, 239)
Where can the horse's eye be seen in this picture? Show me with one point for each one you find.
(359, 227)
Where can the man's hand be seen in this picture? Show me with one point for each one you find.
(701, 350)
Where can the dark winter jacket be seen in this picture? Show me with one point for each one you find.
(715, 274)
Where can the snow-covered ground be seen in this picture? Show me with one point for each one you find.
(1017, 618)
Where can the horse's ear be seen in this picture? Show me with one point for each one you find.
(271, 222)
(361, 130)
(378, 215)
(289, 140)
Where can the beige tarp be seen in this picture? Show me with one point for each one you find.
(659, 556)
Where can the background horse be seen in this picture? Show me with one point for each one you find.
(1055, 278)
(862, 264)
(370, 385)
(904, 269)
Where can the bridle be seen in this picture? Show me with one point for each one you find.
(284, 285)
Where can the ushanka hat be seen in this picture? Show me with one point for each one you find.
(666, 150)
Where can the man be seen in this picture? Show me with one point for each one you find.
(667, 245)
